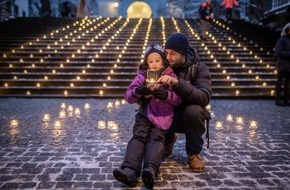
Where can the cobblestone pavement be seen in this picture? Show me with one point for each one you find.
(76, 144)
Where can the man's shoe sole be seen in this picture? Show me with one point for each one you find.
(124, 179)
(197, 170)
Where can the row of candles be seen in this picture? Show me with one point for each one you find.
(230, 118)
(255, 57)
(38, 85)
(228, 77)
(101, 92)
(113, 126)
(71, 111)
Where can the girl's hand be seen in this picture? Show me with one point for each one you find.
(154, 87)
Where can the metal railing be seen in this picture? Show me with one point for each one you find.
(276, 4)
(5, 1)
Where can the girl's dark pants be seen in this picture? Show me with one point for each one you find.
(147, 142)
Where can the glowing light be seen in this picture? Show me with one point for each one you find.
(117, 103)
(229, 117)
(46, 117)
(57, 124)
(110, 105)
(101, 124)
(239, 120)
(218, 125)
(62, 114)
(87, 106)
(63, 105)
(253, 124)
(14, 122)
(77, 112)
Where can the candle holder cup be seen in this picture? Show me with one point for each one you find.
(152, 77)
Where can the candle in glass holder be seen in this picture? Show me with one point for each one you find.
(101, 124)
(46, 117)
(62, 114)
(152, 77)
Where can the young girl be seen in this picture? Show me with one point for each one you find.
(151, 123)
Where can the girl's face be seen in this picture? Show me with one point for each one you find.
(154, 61)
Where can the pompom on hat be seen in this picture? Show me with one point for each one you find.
(154, 47)
(178, 42)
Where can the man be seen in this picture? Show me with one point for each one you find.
(194, 87)
(206, 15)
(282, 53)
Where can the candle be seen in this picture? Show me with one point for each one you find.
(239, 120)
(46, 117)
(101, 124)
(253, 124)
(87, 106)
(62, 114)
(229, 117)
(14, 122)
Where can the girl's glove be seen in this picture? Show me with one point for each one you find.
(160, 94)
(143, 90)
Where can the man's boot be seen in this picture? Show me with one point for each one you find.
(195, 163)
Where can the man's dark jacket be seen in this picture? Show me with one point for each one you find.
(194, 83)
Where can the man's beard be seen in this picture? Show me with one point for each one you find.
(177, 63)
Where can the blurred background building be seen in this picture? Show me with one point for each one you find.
(271, 13)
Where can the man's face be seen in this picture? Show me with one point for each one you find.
(174, 58)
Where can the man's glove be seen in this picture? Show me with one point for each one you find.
(160, 94)
(143, 90)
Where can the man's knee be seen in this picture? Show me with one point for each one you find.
(194, 112)
(194, 116)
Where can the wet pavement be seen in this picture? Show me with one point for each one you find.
(76, 144)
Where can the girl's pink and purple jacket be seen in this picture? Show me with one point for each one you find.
(159, 112)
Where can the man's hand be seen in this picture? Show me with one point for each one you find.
(160, 94)
(143, 90)
(168, 80)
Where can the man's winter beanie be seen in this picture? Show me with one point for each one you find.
(178, 42)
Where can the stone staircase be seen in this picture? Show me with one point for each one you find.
(98, 57)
